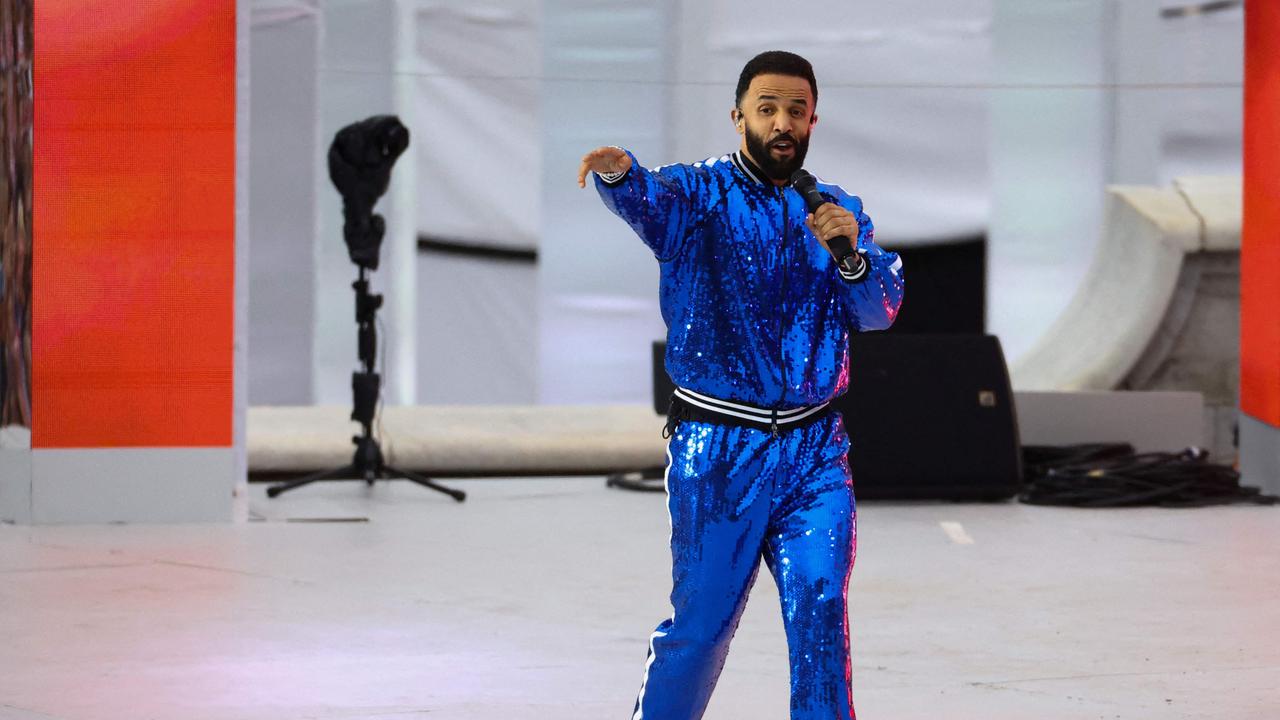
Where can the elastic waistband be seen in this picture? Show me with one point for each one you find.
(689, 405)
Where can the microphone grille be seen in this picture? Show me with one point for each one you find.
(801, 179)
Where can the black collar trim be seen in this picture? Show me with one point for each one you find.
(748, 168)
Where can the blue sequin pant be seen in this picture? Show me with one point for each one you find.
(737, 495)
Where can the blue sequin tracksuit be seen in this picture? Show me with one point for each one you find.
(758, 315)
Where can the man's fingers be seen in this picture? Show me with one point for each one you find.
(826, 211)
(610, 155)
(602, 159)
(837, 226)
(831, 220)
(588, 164)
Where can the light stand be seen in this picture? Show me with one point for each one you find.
(360, 161)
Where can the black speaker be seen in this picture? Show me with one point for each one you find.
(662, 385)
(928, 417)
(931, 417)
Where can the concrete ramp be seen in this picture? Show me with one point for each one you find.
(1142, 284)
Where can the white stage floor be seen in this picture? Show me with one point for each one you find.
(536, 597)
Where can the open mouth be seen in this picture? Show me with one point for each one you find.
(782, 146)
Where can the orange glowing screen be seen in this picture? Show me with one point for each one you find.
(1260, 241)
(133, 223)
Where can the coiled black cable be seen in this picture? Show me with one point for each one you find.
(1113, 475)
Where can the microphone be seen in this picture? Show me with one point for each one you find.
(852, 265)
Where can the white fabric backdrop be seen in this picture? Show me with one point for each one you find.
(478, 81)
(284, 59)
(1086, 94)
(950, 119)
(901, 101)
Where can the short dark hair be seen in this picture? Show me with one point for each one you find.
(778, 62)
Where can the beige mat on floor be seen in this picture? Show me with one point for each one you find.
(464, 440)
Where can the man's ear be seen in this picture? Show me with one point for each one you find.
(813, 120)
(735, 115)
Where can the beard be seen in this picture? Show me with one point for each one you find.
(777, 169)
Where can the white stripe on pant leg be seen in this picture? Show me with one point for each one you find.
(671, 529)
(653, 655)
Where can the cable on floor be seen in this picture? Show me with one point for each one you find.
(1113, 475)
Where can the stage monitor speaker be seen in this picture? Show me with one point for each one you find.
(928, 417)
(931, 417)
(662, 385)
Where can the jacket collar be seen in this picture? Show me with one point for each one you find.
(748, 168)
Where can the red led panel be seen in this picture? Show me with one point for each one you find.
(1260, 242)
(133, 223)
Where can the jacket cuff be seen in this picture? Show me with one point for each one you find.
(612, 179)
(615, 179)
(861, 267)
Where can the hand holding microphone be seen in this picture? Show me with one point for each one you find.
(832, 225)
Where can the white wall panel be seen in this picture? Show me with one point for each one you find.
(951, 120)
(477, 89)
(901, 101)
(1088, 93)
(607, 66)
(283, 105)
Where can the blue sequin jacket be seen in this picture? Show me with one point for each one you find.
(756, 310)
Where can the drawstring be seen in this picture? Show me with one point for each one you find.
(675, 414)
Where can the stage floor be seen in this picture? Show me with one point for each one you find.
(536, 597)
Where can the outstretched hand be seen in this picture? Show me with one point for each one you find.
(603, 160)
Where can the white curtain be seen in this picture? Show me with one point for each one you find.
(956, 119)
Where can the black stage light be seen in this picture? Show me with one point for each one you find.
(360, 161)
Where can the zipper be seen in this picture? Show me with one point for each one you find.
(782, 315)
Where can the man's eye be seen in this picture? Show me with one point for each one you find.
(766, 111)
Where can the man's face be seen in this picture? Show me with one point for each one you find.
(774, 119)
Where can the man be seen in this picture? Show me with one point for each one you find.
(758, 315)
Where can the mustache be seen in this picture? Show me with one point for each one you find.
(783, 138)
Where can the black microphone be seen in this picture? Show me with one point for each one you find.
(852, 265)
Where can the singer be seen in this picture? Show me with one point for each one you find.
(759, 293)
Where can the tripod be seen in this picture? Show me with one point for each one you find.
(367, 464)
